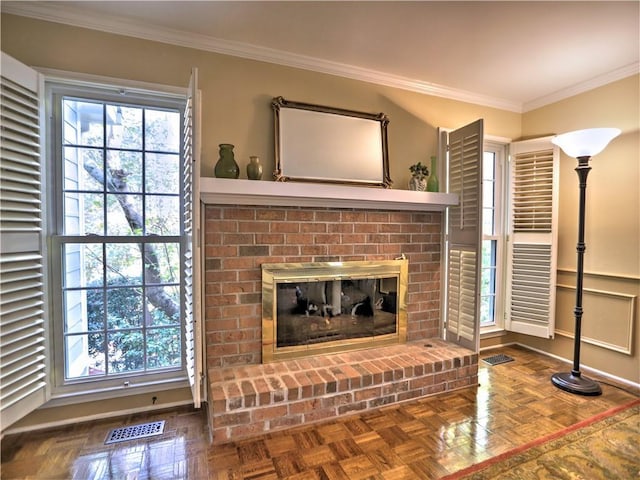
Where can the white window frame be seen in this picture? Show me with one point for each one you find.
(87, 389)
(500, 148)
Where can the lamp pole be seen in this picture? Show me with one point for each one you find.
(582, 145)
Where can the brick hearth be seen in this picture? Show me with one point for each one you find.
(251, 400)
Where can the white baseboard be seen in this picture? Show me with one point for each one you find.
(586, 368)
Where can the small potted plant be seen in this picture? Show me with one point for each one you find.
(419, 175)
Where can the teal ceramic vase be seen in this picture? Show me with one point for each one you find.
(432, 183)
(226, 167)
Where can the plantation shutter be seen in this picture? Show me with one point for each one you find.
(23, 383)
(464, 236)
(193, 282)
(532, 249)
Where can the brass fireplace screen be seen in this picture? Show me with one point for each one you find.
(326, 307)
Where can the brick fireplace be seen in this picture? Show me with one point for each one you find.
(239, 239)
(247, 397)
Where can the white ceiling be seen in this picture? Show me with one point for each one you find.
(512, 55)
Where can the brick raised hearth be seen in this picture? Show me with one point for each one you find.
(247, 397)
(254, 399)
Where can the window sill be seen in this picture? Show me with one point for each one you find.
(64, 397)
(492, 332)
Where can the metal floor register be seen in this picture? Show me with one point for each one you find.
(498, 359)
(134, 432)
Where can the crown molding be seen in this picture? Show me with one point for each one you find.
(619, 74)
(120, 26)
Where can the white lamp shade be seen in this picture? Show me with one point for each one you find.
(585, 143)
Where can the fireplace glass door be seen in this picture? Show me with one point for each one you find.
(312, 308)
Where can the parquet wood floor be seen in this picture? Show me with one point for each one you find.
(514, 404)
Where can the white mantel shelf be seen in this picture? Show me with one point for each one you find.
(224, 191)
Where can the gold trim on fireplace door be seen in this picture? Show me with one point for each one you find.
(274, 273)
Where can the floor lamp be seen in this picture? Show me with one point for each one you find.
(582, 145)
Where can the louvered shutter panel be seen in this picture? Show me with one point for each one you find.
(464, 236)
(23, 385)
(193, 283)
(533, 236)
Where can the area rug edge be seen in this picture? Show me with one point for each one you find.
(476, 467)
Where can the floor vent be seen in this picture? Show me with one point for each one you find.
(134, 432)
(498, 359)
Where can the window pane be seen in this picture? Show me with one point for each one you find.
(162, 173)
(83, 169)
(163, 215)
(124, 264)
(124, 215)
(162, 130)
(488, 194)
(125, 127)
(125, 171)
(95, 310)
(75, 306)
(85, 356)
(126, 351)
(72, 214)
(83, 123)
(487, 253)
(488, 281)
(488, 226)
(124, 307)
(83, 265)
(163, 305)
(83, 214)
(163, 347)
(487, 310)
(488, 165)
(84, 310)
(162, 263)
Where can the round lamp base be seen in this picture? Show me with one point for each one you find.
(576, 384)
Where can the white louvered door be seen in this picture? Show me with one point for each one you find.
(464, 236)
(533, 220)
(23, 335)
(191, 200)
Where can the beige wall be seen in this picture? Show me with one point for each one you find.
(612, 235)
(237, 93)
(236, 109)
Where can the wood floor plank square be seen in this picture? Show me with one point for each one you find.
(345, 448)
(333, 471)
(359, 468)
(316, 456)
(288, 464)
(385, 459)
(263, 469)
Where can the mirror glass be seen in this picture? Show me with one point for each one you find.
(325, 144)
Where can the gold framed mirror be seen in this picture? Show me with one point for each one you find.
(315, 143)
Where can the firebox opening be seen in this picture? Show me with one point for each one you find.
(323, 307)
